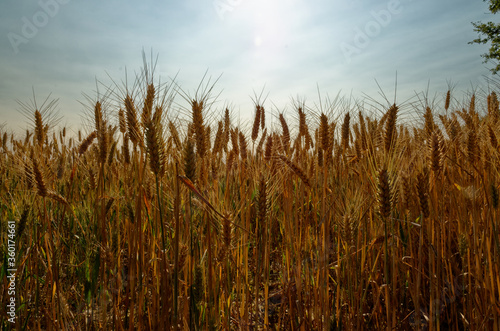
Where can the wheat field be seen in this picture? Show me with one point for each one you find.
(330, 217)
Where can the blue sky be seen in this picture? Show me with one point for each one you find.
(288, 48)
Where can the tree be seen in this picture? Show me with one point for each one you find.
(491, 33)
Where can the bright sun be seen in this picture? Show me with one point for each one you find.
(269, 24)
(257, 41)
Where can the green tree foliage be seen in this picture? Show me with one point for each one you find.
(490, 32)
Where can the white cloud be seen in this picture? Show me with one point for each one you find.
(299, 48)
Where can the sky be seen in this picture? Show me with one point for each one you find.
(288, 50)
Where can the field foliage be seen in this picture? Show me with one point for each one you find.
(341, 215)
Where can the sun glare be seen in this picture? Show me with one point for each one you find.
(269, 26)
(257, 41)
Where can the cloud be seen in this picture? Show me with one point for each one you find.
(299, 48)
